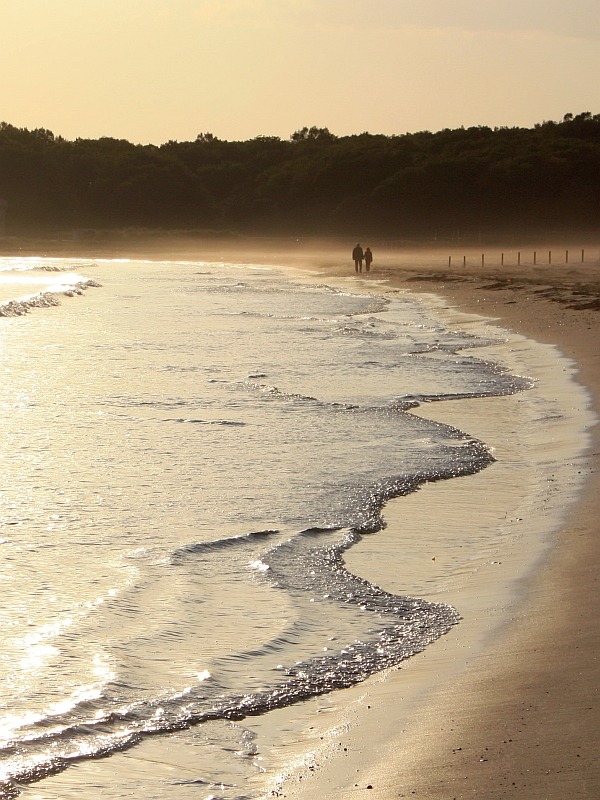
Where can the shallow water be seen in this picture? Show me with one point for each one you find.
(187, 452)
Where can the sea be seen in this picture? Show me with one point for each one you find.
(188, 451)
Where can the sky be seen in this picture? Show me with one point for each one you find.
(152, 71)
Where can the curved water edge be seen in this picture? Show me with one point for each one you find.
(553, 446)
(398, 627)
(281, 405)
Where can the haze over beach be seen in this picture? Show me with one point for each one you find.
(271, 526)
(149, 71)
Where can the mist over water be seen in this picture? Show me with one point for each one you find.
(187, 451)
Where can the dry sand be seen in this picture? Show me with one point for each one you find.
(519, 715)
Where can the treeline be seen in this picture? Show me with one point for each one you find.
(546, 178)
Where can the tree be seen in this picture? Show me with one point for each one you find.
(206, 137)
(313, 134)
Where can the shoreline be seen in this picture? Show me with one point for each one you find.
(519, 717)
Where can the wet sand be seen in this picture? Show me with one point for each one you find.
(509, 709)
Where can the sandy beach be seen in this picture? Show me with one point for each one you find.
(507, 704)
(518, 715)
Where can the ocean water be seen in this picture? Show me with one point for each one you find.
(187, 451)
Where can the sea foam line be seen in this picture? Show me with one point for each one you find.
(44, 299)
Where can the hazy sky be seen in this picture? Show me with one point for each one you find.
(154, 70)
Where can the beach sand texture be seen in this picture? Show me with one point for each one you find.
(519, 715)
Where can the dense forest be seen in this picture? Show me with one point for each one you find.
(544, 179)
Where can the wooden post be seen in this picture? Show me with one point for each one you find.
(566, 256)
(464, 261)
(535, 257)
(502, 260)
(519, 258)
(482, 259)
(449, 261)
(582, 255)
(549, 256)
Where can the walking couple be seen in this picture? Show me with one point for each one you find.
(358, 256)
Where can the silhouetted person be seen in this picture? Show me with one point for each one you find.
(358, 255)
(368, 258)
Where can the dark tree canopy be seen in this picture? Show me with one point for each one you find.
(313, 134)
(546, 178)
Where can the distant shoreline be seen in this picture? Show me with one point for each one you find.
(314, 248)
